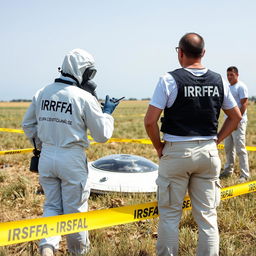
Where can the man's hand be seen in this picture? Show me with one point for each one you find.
(152, 129)
(244, 103)
(230, 124)
(160, 150)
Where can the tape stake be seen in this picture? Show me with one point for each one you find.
(34, 229)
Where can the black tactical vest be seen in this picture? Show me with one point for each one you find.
(196, 109)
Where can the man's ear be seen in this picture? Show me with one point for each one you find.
(203, 53)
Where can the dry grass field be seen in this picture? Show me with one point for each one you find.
(19, 197)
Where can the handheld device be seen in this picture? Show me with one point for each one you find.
(34, 159)
(116, 100)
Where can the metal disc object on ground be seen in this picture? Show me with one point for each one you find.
(123, 173)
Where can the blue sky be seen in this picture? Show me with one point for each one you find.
(132, 41)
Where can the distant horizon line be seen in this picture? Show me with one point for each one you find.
(100, 99)
(252, 98)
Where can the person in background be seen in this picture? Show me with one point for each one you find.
(235, 142)
(191, 97)
(57, 120)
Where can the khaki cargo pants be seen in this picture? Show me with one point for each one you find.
(194, 167)
(235, 144)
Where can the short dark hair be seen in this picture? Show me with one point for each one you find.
(192, 44)
(232, 69)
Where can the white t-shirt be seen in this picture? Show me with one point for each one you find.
(239, 91)
(166, 92)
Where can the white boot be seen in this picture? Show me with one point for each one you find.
(47, 250)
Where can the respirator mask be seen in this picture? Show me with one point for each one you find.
(87, 84)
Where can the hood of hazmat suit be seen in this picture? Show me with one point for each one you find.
(76, 62)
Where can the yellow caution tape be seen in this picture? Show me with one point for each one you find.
(140, 141)
(147, 141)
(229, 192)
(220, 146)
(140, 115)
(250, 148)
(11, 130)
(16, 151)
(34, 229)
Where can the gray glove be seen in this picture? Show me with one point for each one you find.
(110, 105)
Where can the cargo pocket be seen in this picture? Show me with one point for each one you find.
(217, 193)
(163, 192)
(215, 161)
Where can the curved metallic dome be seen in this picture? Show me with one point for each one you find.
(124, 163)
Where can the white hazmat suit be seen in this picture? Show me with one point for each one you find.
(58, 119)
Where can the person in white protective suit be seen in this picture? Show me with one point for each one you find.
(58, 119)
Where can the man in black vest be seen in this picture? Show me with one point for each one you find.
(191, 98)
